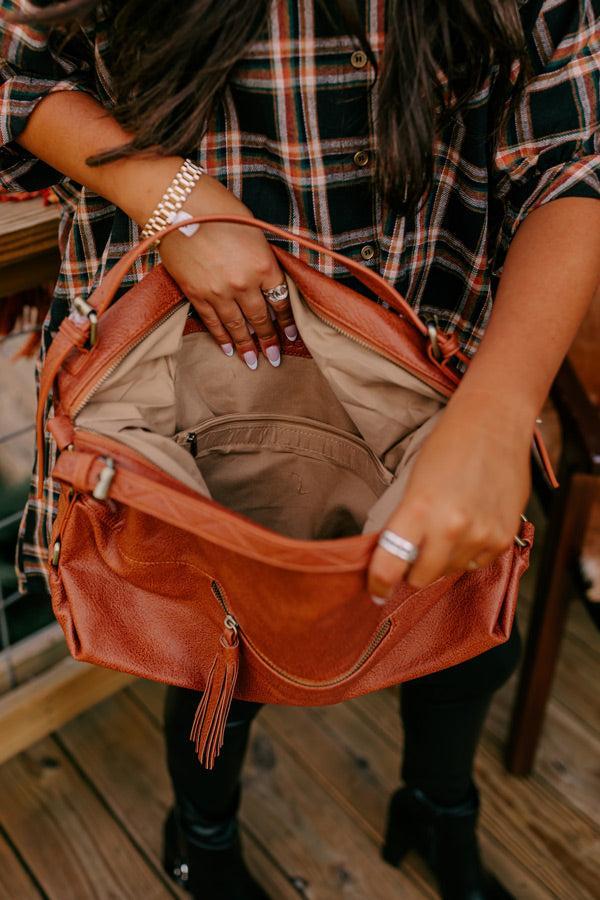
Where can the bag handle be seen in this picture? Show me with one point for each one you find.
(104, 294)
(72, 335)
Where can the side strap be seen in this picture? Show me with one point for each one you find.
(202, 518)
(69, 336)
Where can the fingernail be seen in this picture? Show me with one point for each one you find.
(250, 328)
(251, 359)
(273, 355)
(227, 349)
(291, 332)
(378, 601)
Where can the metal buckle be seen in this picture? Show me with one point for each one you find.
(105, 478)
(84, 309)
(55, 553)
(433, 338)
(518, 540)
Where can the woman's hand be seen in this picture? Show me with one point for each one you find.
(223, 269)
(464, 497)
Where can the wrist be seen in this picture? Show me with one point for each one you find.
(501, 414)
(137, 185)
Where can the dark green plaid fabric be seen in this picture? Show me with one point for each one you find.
(296, 111)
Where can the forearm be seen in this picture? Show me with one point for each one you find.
(68, 127)
(471, 478)
(550, 276)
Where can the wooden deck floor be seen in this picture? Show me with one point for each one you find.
(80, 812)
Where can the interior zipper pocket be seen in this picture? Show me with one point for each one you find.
(305, 436)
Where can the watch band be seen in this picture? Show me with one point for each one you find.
(174, 197)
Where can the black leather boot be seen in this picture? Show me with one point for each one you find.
(445, 837)
(207, 861)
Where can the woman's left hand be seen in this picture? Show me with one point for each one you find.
(464, 497)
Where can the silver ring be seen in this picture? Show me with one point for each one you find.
(398, 546)
(277, 294)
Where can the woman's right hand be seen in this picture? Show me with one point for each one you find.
(223, 270)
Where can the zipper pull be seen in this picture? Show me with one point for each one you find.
(105, 478)
(191, 440)
(208, 730)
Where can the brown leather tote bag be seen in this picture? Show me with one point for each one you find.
(215, 524)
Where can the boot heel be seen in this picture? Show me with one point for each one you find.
(398, 837)
(173, 864)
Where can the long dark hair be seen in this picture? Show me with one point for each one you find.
(169, 63)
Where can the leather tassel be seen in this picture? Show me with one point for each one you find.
(208, 730)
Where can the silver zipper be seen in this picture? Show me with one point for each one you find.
(368, 346)
(374, 643)
(191, 439)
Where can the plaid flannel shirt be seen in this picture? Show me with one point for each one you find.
(295, 138)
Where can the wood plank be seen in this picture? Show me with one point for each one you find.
(581, 628)
(27, 228)
(151, 696)
(576, 683)
(314, 838)
(524, 875)
(362, 769)
(120, 747)
(14, 880)
(567, 757)
(24, 274)
(578, 667)
(527, 819)
(47, 701)
(359, 770)
(69, 841)
(579, 624)
(31, 656)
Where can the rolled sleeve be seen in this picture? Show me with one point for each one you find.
(33, 64)
(549, 146)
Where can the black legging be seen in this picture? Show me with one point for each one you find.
(442, 716)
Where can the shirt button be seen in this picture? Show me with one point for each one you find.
(367, 252)
(359, 59)
(361, 158)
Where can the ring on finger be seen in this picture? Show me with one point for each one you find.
(398, 546)
(277, 294)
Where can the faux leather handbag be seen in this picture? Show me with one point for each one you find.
(215, 524)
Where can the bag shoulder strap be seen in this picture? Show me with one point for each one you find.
(103, 296)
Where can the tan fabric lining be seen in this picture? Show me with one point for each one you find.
(317, 448)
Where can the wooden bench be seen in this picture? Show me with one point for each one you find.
(28, 245)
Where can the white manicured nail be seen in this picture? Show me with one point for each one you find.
(378, 601)
(251, 359)
(227, 349)
(273, 355)
(291, 332)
